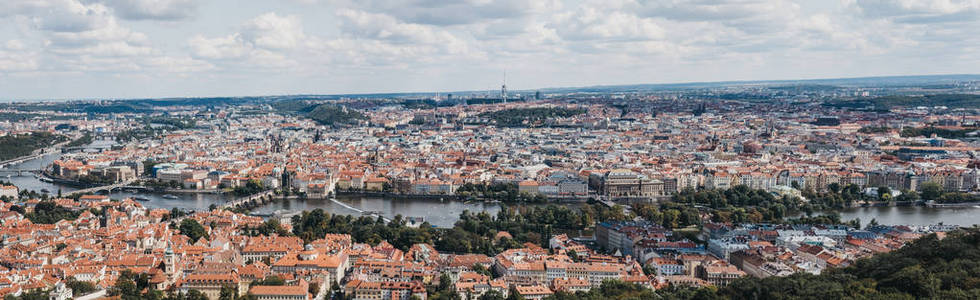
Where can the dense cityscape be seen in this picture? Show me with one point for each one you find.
(696, 191)
(489, 149)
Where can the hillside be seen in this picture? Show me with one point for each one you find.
(326, 114)
(529, 117)
(928, 268)
(13, 146)
(333, 115)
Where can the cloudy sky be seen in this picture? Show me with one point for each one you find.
(159, 48)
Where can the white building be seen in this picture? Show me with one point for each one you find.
(9, 191)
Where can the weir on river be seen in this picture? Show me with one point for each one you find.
(361, 211)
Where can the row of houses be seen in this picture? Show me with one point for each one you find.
(625, 183)
(613, 184)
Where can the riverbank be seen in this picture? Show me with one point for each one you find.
(397, 195)
(923, 203)
(442, 214)
(887, 204)
(555, 200)
(187, 191)
(952, 205)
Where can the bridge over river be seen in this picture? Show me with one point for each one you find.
(269, 196)
(108, 188)
(257, 199)
(18, 172)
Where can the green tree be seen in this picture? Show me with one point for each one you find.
(480, 269)
(125, 288)
(908, 195)
(271, 280)
(491, 295)
(195, 295)
(34, 294)
(514, 295)
(931, 191)
(913, 280)
(883, 191)
(79, 288)
(192, 229)
(47, 212)
(251, 187)
(445, 283)
(228, 293)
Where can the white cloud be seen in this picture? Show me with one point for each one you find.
(14, 45)
(360, 24)
(445, 45)
(445, 13)
(71, 16)
(922, 11)
(75, 36)
(17, 7)
(272, 31)
(227, 47)
(593, 23)
(178, 64)
(153, 9)
(111, 33)
(263, 41)
(15, 57)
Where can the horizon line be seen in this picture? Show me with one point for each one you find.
(354, 95)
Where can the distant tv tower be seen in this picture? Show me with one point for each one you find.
(503, 88)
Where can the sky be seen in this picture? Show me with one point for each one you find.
(75, 49)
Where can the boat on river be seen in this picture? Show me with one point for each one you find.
(169, 196)
(141, 199)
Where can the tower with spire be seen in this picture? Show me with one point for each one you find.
(170, 260)
(503, 88)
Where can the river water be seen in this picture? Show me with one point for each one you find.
(914, 215)
(27, 181)
(442, 213)
(438, 213)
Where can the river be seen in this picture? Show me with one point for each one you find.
(443, 213)
(914, 215)
(28, 181)
(438, 213)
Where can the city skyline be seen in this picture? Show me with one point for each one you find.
(489, 149)
(531, 92)
(709, 190)
(70, 49)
